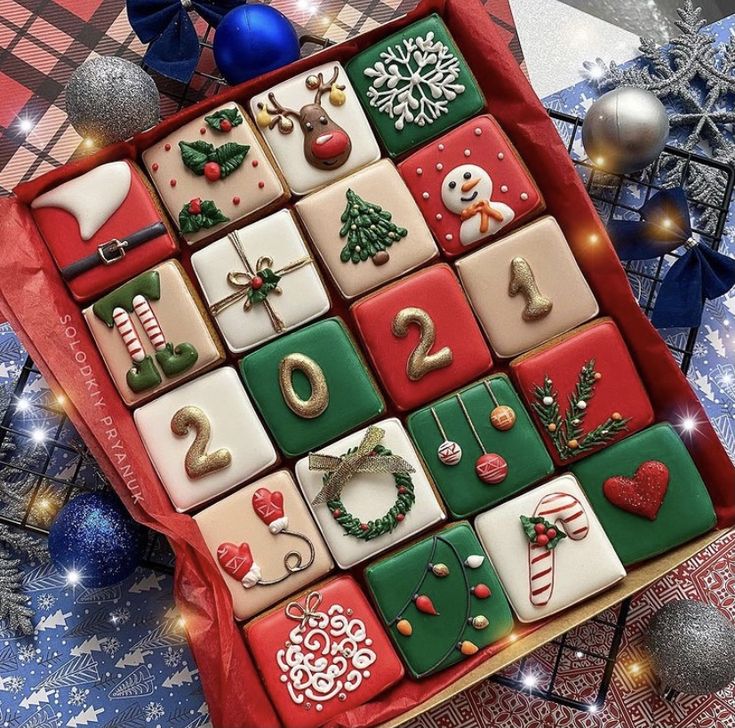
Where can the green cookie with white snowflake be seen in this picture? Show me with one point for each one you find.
(415, 85)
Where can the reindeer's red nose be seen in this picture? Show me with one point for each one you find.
(330, 144)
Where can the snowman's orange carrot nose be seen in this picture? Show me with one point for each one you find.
(469, 184)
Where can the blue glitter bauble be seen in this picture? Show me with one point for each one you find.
(252, 40)
(94, 535)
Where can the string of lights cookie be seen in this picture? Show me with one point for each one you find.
(368, 457)
(565, 430)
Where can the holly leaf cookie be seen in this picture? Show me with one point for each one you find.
(214, 163)
(224, 119)
(198, 214)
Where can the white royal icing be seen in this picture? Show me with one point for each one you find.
(93, 198)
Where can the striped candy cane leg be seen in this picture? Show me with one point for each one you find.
(129, 335)
(561, 509)
(149, 322)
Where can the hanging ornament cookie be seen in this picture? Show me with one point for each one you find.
(449, 452)
(369, 231)
(467, 192)
(326, 144)
(490, 468)
(502, 416)
(644, 493)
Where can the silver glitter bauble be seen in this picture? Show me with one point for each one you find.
(692, 647)
(625, 130)
(110, 99)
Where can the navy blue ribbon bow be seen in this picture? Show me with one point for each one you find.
(699, 275)
(166, 26)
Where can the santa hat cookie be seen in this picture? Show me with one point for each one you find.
(471, 185)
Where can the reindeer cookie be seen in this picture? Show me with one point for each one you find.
(315, 128)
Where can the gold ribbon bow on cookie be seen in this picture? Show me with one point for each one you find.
(254, 284)
(360, 460)
(303, 613)
(485, 210)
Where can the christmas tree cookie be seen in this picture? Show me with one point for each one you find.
(213, 174)
(321, 653)
(367, 229)
(421, 336)
(479, 445)
(311, 386)
(440, 600)
(368, 491)
(260, 281)
(414, 85)
(471, 185)
(265, 543)
(583, 391)
(647, 493)
(103, 228)
(549, 549)
(315, 127)
(152, 333)
(204, 438)
(526, 288)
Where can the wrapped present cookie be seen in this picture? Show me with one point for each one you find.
(315, 127)
(583, 391)
(440, 600)
(526, 288)
(548, 549)
(421, 336)
(368, 491)
(103, 227)
(213, 174)
(414, 85)
(153, 333)
(367, 229)
(647, 493)
(265, 543)
(471, 185)
(321, 653)
(480, 445)
(260, 282)
(204, 438)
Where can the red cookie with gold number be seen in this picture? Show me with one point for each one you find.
(643, 493)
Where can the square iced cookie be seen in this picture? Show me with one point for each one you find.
(153, 333)
(647, 493)
(213, 174)
(549, 549)
(103, 228)
(265, 543)
(440, 600)
(527, 288)
(380, 496)
(583, 391)
(367, 229)
(311, 386)
(422, 337)
(315, 127)
(322, 653)
(204, 438)
(415, 84)
(479, 445)
(260, 281)
(471, 185)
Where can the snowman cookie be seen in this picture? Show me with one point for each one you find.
(471, 185)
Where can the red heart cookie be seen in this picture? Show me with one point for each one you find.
(235, 560)
(642, 494)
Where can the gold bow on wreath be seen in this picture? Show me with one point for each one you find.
(360, 460)
(245, 291)
(302, 613)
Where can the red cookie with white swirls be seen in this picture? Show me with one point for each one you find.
(471, 185)
(334, 622)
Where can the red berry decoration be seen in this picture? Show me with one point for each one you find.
(399, 516)
(481, 591)
(203, 130)
(336, 513)
(195, 206)
(167, 147)
(154, 166)
(542, 539)
(212, 171)
(256, 282)
(551, 533)
(261, 185)
(225, 125)
(425, 605)
(539, 528)
(364, 526)
(235, 200)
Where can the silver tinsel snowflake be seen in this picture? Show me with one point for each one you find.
(697, 79)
